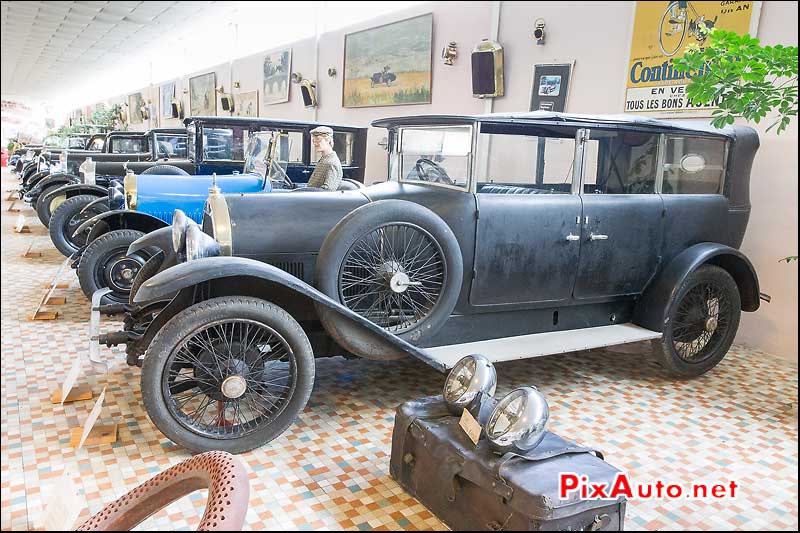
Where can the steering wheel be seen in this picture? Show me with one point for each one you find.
(427, 170)
(221, 473)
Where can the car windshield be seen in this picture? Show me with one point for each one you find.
(264, 152)
(76, 142)
(436, 154)
(54, 141)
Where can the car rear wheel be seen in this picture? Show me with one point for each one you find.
(396, 264)
(701, 323)
(66, 219)
(230, 373)
(105, 264)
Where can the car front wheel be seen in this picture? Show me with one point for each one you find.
(105, 264)
(231, 373)
(67, 217)
(701, 323)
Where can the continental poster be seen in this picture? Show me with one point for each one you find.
(662, 31)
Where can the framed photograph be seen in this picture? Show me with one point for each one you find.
(202, 95)
(389, 64)
(277, 69)
(135, 103)
(245, 104)
(167, 94)
(550, 87)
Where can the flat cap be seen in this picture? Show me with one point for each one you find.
(322, 130)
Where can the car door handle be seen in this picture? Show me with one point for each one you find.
(597, 237)
(572, 237)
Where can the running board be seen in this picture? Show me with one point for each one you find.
(539, 344)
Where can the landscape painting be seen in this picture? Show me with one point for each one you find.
(245, 104)
(277, 68)
(202, 95)
(389, 65)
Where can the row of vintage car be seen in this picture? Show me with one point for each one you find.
(509, 235)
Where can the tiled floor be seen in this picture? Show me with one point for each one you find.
(330, 470)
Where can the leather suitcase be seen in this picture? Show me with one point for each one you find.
(472, 488)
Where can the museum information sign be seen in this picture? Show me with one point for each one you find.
(662, 31)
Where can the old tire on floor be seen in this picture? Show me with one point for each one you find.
(701, 323)
(105, 264)
(66, 219)
(231, 373)
(395, 263)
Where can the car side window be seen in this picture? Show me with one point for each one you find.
(224, 144)
(342, 145)
(693, 165)
(290, 147)
(123, 145)
(514, 159)
(97, 144)
(620, 162)
(435, 154)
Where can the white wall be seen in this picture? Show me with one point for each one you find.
(596, 35)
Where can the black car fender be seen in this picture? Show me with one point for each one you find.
(119, 219)
(34, 178)
(72, 188)
(651, 309)
(187, 276)
(161, 239)
(59, 179)
(94, 204)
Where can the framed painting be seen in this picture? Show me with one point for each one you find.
(389, 64)
(135, 103)
(245, 104)
(277, 69)
(167, 94)
(550, 87)
(202, 95)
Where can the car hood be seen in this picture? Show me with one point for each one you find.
(293, 222)
(161, 195)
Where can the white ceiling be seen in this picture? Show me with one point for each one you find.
(47, 46)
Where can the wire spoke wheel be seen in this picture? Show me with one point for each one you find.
(393, 275)
(702, 321)
(229, 378)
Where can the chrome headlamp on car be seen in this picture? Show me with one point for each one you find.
(198, 244)
(129, 184)
(116, 196)
(518, 422)
(471, 385)
(180, 223)
(217, 220)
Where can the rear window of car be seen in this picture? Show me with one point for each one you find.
(693, 165)
(171, 144)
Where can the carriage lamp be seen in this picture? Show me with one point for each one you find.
(144, 112)
(518, 422)
(180, 223)
(538, 31)
(449, 53)
(470, 385)
(198, 244)
(296, 77)
(331, 72)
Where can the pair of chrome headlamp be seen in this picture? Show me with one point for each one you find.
(516, 423)
(189, 241)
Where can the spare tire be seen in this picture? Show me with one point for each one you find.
(165, 170)
(395, 263)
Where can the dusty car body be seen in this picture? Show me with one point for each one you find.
(513, 236)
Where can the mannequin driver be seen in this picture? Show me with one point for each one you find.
(327, 174)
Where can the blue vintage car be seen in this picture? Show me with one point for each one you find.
(146, 202)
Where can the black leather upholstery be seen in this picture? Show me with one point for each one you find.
(508, 189)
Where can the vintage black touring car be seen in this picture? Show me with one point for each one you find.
(511, 236)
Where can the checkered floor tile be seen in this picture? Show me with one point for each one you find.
(330, 469)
